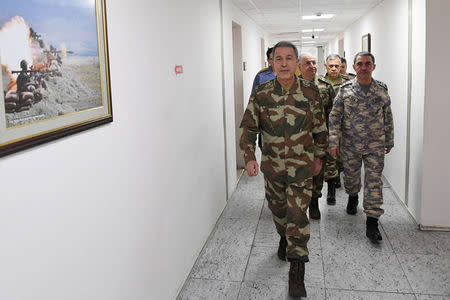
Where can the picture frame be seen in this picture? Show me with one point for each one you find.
(366, 42)
(55, 77)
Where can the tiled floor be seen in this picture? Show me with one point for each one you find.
(239, 260)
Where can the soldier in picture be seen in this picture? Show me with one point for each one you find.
(308, 68)
(288, 113)
(362, 113)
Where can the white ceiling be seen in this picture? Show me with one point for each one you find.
(282, 18)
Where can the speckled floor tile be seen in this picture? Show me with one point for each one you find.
(427, 274)
(396, 214)
(265, 267)
(431, 297)
(226, 252)
(354, 269)
(270, 291)
(343, 236)
(207, 289)
(243, 209)
(362, 295)
(408, 239)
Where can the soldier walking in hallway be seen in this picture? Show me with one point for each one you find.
(332, 65)
(308, 68)
(288, 114)
(362, 111)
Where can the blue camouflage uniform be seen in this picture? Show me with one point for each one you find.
(363, 115)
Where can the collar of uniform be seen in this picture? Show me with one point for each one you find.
(357, 87)
(278, 89)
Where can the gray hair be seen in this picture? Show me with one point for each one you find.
(286, 44)
(305, 54)
(332, 56)
(364, 53)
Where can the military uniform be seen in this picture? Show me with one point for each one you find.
(264, 75)
(329, 169)
(348, 76)
(337, 83)
(292, 124)
(364, 116)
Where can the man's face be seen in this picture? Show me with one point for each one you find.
(364, 67)
(333, 66)
(343, 68)
(308, 67)
(284, 62)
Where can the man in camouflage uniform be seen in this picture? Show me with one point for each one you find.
(362, 111)
(288, 114)
(343, 70)
(333, 64)
(308, 67)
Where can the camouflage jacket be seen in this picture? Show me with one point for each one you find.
(336, 83)
(365, 119)
(292, 126)
(326, 93)
(348, 76)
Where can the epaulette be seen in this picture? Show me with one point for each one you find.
(346, 84)
(382, 84)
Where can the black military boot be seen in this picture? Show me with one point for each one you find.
(331, 196)
(314, 212)
(297, 279)
(352, 204)
(282, 248)
(372, 231)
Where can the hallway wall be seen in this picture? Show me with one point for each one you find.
(251, 54)
(436, 176)
(122, 211)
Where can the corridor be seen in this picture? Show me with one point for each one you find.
(239, 259)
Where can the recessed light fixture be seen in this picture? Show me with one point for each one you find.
(318, 16)
(313, 30)
(309, 42)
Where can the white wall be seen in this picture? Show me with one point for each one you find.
(436, 178)
(415, 193)
(388, 25)
(251, 54)
(122, 211)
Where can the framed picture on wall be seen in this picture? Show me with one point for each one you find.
(54, 70)
(365, 42)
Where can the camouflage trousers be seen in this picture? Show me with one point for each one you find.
(329, 171)
(289, 203)
(373, 186)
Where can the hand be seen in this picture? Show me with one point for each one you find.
(334, 151)
(252, 168)
(388, 149)
(317, 166)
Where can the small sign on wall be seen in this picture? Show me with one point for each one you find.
(178, 69)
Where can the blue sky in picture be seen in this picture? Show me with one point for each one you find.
(72, 22)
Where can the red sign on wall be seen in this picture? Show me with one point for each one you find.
(178, 69)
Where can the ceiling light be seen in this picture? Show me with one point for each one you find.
(309, 42)
(309, 37)
(318, 16)
(313, 30)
